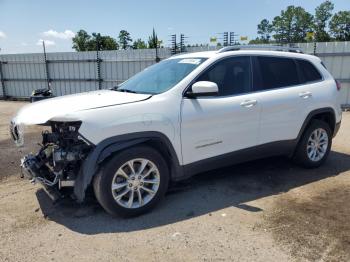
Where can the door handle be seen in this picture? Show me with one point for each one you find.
(249, 103)
(305, 95)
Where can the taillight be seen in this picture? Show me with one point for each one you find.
(338, 85)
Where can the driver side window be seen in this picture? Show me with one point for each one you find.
(232, 75)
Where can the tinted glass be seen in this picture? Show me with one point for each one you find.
(308, 71)
(232, 75)
(276, 72)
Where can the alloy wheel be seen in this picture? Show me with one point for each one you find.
(135, 183)
(317, 144)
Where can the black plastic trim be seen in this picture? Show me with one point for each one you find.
(286, 148)
(178, 172)
(240, 156)
(313, 114)
(336, 128)
(114, 144)
(191, 95)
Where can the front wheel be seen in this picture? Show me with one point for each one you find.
(132, 182)
(315, 145)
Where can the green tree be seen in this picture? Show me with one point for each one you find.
(92, 43)
(322, 15)
(139, 44)
(124, 39)
(257, 41)
(104, 43)
(153, 40)
(108, 43)
(340, 26)
(81, 41)
(264, 30)
(85, 42)
(292, 25)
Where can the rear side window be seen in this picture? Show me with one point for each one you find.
(275, 72)
(308, 71)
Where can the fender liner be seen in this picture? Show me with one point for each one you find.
(114, 144)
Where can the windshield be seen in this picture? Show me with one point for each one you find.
(161, 77)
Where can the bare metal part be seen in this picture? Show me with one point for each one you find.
(30, 165)
(45, 181)
(66, 183)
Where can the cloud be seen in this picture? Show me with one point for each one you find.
(67, 34)
(47, 42)
(2, 35)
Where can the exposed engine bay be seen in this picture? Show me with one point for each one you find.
(58, 162)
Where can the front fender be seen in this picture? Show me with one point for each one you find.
(112, 145)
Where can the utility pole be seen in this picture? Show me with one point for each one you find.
(157, 56)
(225, 39)
(98, 62)
(232, 38)
(173, 44)
(182, 43)
(46, 68)
(2, 80)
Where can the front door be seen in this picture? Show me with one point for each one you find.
(213, 126)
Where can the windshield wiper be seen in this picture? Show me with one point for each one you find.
(117, 88)
(126, 90)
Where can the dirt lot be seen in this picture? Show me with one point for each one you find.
(268, 210)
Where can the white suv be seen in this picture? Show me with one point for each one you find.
(185, 115)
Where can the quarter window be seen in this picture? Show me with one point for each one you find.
(232, 75)
(275, 72)
(308, 71)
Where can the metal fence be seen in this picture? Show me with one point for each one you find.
(74, 72)
(71, 72)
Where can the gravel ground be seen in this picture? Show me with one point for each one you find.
(267, 210)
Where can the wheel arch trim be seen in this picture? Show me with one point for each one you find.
(113, 145)
(311, 115)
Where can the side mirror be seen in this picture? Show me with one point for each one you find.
(203, 88)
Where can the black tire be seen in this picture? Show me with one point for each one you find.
(103, 180)
(301, 155)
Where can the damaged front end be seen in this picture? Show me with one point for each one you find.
(60, 157)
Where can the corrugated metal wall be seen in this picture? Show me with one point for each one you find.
(73, 72)
(70, 71)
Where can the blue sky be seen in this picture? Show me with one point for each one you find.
(24, 23)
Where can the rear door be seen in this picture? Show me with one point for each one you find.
(282, 97)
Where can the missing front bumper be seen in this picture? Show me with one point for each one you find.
(37, 172)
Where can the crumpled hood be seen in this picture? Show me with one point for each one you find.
(42, 111)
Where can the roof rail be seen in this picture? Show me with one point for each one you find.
(260, 47)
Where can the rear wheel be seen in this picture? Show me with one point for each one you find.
(132, 182)
(315, 144)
